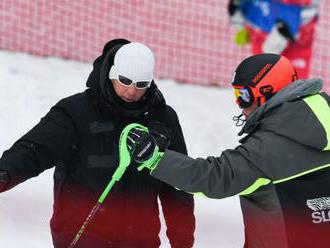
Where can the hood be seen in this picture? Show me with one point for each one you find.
(286, 114)
(101, 87)
(94, 77)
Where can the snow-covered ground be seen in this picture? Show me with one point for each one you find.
(30, 85)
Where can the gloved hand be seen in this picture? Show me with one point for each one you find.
(236, 17)
(161, 133)
(278, 39)
(242, 36)
(143, 148)
(4, 179)
(232, 7)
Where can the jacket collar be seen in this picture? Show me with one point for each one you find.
(297, 90)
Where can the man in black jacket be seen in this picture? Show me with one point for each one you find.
(80, 136)
(281, 170)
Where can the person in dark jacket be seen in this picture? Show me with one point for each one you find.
(281, 169)
(80, 137)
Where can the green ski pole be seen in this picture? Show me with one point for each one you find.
(124, 161)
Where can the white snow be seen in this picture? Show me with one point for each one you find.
(30, 85)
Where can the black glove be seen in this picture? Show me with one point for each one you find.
(4, 179)
(278, 38)
(141, 145)
(232, 7)
(284, 30)
(161, 134)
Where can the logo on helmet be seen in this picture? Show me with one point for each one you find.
(261, 73)
(266, 90)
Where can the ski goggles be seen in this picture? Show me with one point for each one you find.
(138, 84)
(244, 96)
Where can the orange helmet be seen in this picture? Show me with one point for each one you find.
(259, 77)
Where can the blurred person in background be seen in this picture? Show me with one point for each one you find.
(284, 27)
(80, 136)
(281, 169)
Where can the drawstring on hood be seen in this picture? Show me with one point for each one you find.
(239, 119)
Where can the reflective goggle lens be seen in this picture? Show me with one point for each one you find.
(243, 94)
(243, 97)
(139, 84)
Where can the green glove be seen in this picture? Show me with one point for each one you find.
(242, 37)
(143, 148)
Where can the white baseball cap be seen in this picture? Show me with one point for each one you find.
(134, 61)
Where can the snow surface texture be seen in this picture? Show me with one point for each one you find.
(30, 85)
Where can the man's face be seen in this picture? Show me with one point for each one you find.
(250, 110)
(128, 93)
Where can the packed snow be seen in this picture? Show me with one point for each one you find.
(30, 85)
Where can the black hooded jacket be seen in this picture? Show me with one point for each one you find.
(79, 136)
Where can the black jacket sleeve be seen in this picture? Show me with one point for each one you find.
(47, 144)
(178, 206)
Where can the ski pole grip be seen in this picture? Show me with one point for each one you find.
(124, 158)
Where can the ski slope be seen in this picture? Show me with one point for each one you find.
(30, 85)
